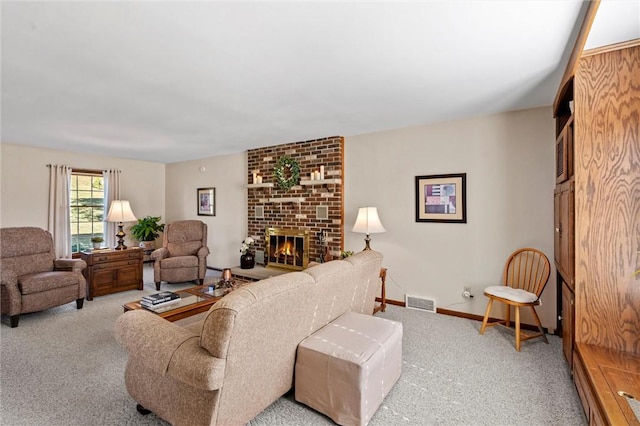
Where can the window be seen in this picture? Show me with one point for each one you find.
(87, 208)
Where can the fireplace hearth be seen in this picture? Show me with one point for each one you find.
(287, 248)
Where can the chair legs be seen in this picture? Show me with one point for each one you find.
(80, 303)
(14, 320)
(142, 410)
(486, 316)
(535, 316)
(519, 335)
(517, 327)
(507, 315)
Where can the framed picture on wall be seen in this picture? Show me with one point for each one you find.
(206, 201)
(441, 198)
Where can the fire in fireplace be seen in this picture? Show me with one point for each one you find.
(287, 248)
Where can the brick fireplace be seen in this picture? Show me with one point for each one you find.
(314, 206)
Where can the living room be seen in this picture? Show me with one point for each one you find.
(509, 205)
(508, 157)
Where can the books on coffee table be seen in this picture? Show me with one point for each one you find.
(157, 301)
(162, 297)
(158, 307)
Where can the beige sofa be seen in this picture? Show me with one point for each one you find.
(233, 364)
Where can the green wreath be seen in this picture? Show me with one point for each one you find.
(280, 175)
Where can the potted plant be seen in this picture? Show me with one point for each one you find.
(97, 242)
(147, 230)
(346, 253)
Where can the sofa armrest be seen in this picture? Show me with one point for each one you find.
(203, 252)
(167, 348)
(8, 278)
(73, 265)
(159, 254)
(9, 283)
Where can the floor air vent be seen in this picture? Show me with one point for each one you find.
(421, 303)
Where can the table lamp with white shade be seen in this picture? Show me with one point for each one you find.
(368, 222)
(120, 212)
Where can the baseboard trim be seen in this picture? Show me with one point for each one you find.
(481, 317)
(392, 302)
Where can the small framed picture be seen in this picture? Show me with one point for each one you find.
(206, 201)
(441, 198)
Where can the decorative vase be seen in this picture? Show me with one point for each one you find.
(247, 261)
(148, 246)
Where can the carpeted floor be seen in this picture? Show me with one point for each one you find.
(63, 367)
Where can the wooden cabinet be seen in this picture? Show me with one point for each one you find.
(564, 152)
(567, 318)
(111, 271)
(564, 230)
(586, 392)
(603, 377)
(607, 198)
(596, 219)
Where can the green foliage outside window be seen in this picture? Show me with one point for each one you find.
(87, 209)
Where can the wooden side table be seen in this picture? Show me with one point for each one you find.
(109, 271)
(383, 299)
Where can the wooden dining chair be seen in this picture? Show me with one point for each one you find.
(526, 273)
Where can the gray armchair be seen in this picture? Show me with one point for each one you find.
(31, 278)
(183, 256)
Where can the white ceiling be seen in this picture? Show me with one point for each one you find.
(173, 81)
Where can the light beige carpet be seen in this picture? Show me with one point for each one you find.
(64, 367)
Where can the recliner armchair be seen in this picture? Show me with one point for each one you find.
(183, 256)
(31, 277)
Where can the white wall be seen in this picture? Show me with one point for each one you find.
(509, 161)
(24, 183)
(226, 230)
(508, 158)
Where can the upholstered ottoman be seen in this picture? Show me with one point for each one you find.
(345, 369)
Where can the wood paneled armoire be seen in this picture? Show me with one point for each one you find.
(597, 229)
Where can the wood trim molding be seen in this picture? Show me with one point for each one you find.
(576, 53)
(611, 47)
(480, 318)
(392, 302)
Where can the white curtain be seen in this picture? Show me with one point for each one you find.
(111, 192)
(59, 209)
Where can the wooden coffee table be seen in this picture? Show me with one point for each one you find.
(193, 301)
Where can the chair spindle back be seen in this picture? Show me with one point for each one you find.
(527, 269)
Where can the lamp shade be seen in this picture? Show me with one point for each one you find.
(368, 221)
(120, 211)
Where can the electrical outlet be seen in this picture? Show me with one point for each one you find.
(466, 293)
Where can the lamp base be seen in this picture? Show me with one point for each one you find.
(366, 241)
(120, 235)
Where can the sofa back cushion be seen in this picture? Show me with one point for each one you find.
(185, 237)
(26, 250)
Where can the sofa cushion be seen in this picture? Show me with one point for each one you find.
(185, 237)
(22, 241)
(43, 281)
(184, 249)
(179, 262)
(28, 264)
